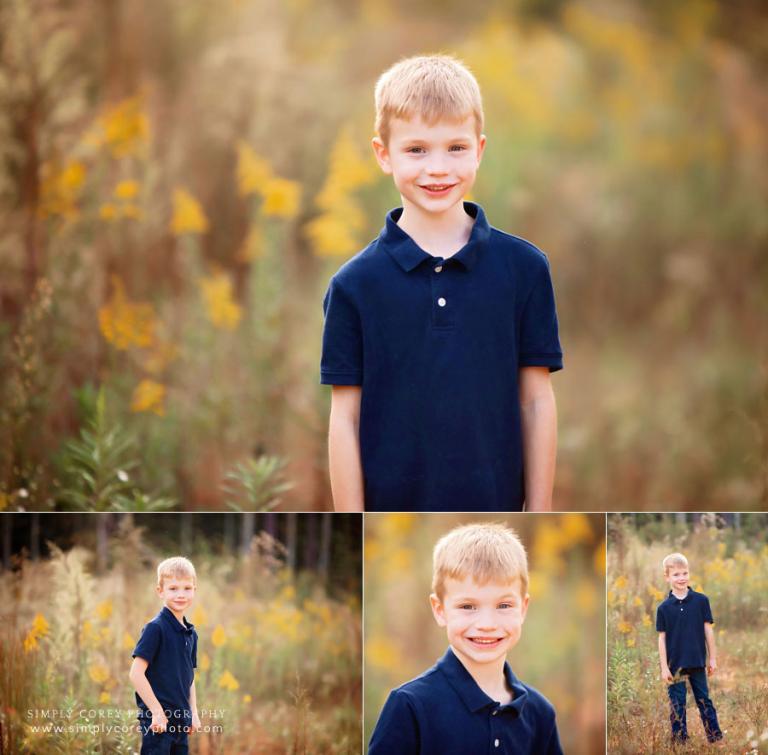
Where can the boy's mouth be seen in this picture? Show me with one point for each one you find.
(485, 641)
(437, 189)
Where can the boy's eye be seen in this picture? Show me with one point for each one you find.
(466, 607)
(415, 150)
(506, 605)
(458, 148)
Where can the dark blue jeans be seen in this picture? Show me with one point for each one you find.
(677, 694)
(170, 742)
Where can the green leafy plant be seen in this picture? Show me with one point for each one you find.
(256, 484)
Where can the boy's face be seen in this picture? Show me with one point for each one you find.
(177, 593)
(433, 167)
(677, 577)
(483, 622)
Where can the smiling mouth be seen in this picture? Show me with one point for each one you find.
(486, 641)
(438, 188)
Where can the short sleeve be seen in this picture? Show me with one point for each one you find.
(194, 650)
(397, 730)
(553, 746)
(149, 643)
(661, 625)
(707, 611)
(342, 357)
(539, 340)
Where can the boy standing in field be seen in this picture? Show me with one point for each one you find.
(163, 665)
(470, 701)
(441, 334)
(684, 622)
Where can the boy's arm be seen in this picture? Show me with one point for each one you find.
(196, 725)
(666, 674)
(709, 634)
(539, 428)
(141, 684)
(344, 448)
(397, 730)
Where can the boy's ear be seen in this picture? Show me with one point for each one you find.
(382, 154)
(524, 607)
(481, 142)
(438, 610)
(158, 589)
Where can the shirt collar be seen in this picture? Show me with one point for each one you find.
(409, 255)
(167, 614)
(675, 599)
(469, 691)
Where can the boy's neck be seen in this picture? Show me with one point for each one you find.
(679, 594)
(441, 235)
(489, 677)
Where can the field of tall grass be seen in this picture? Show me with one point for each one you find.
(278, 657)
(731, 567)
(562, 649)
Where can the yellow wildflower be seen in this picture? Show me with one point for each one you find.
(39, 625)
(630, 642)
(98, 673)
(227, 681)
(127, 189)
(125, 323)
(105, 698)
(104, 609)
(188, 215)
(223, 311)
(205, 662)
(638, 601)
(128, 641)
(646, 620)
(253, 171)
(199, 616)
(253, 246)
(60, 188)
(620, 582)
(247, 698)
(281, 198)
(331, 235)
(124, 128)
(382, 653)
(149, 396)
(624, 627)
(576, 528)
(219, 636)
(30, 642)
(108, 211)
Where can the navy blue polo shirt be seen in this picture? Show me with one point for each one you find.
(444, 711)
(170, 649)
(683, 622)
(436, 345)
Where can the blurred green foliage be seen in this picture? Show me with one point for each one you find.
(562, 649)
(179, 181)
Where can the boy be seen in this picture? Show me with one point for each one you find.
(163, 665)
(440, 335)
(470, 701)
(684, 622)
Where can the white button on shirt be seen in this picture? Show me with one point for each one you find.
(441, 302)
(495, 742)
(439, 269)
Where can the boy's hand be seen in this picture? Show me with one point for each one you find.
(196, 725)
(159, 721)
(666, 675)
(712, 666)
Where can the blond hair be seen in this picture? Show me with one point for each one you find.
(485, 552)
(431, 86)
(177, 567)
(673, 559)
